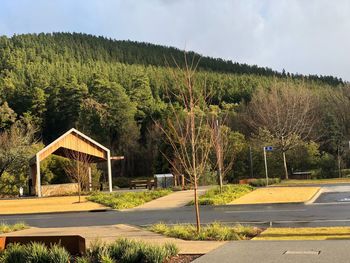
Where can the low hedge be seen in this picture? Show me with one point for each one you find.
(262, 182)
(121, 251)
(214, 231)
(127, 200)
(229, 193)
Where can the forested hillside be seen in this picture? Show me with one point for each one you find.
(115, 90)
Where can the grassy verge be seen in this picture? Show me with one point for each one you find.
(228, 194)
(214, 231)
(311, 233)
(122, 250)
(6, 228)
(315, 181)
(127, 200)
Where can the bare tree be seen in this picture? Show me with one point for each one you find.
(78, 169)
(226, 145)
(186, 130)
(284, 114)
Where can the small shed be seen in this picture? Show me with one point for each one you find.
(73, 141)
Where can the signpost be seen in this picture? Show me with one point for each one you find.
(267, 149)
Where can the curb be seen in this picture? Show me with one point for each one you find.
(314, 198)
(61, 212)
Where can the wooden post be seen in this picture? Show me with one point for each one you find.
(90, 179)
(109, 167)
(38, 181)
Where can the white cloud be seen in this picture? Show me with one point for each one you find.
(300, 36)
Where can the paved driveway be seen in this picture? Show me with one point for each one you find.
(280, 252)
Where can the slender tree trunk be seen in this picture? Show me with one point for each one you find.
(220, 179)
(339, 163)
(198, 221)
(285, 166)
(194, 158)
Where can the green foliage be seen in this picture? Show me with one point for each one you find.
(214, 231)
(262, 182)
(6, 228)
(37, 253)
(58, 254)
(14, 253)
(127, 200)
(10, 184)
(34, 253)
(121, 182)
(228, 194)
(130, 251)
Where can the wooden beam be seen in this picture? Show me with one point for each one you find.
(116, 158)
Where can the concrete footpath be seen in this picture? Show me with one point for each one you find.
(109, 234)
(280, 251)
(173, 200)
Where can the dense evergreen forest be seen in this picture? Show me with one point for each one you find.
(115, 90)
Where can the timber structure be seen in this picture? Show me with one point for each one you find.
(73, 141)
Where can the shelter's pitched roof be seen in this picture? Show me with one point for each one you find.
(62, 137)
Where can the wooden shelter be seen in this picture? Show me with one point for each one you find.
(73, 141)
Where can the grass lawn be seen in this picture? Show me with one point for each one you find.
(127, 200)
(5, 228)
(278, 195)
(229, 193)
(213, 232)
(314, 181)
(312, 233)
(47, 205)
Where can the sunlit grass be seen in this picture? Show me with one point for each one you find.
(127, 200)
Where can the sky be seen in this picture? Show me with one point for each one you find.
(300, 36)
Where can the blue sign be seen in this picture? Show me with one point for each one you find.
(268, 148)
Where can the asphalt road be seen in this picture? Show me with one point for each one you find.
(281, 215)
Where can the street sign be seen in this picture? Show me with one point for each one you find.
(268, 148)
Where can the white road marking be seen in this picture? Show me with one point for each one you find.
(265, 211)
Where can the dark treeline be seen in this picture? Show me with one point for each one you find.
(114, 90)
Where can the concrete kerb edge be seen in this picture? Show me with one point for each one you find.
(315, 196)
(61, 212)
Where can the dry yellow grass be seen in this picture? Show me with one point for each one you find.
(47, 205)
(312, 233)
(278, 195)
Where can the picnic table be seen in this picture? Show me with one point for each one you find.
(147, 183)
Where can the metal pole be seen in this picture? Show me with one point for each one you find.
(267, 177)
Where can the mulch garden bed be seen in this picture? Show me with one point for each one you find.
(183, 258)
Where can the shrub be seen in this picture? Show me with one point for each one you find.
(214, 231)
(130, 251)
(14, 253)
(58, 254)
(127, 200)
(228, 194)
(37, 253)
(5, 228)
(121, 182)
(262, 182)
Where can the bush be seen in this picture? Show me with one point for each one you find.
(37, 253)
(228, 194)
(58, 254)
(262, 182)
(130, 251)
(5, 228)
(214, 231)
(121, 182)
(127, 200)
(14, 253)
